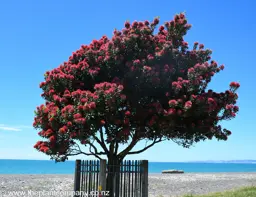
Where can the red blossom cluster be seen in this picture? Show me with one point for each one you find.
(137, 84)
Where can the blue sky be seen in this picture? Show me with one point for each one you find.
(37, 36)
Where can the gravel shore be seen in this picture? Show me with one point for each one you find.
(165, 185)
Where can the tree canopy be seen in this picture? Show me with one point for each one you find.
(143, 83)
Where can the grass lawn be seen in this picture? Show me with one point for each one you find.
(244, 192)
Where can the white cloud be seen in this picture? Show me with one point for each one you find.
(4, 127)
(9, 128)
(25, 127)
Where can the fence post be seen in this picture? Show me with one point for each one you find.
(145, 178)
(77, 178)
(103, 165)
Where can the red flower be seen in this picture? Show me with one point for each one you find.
(182, 16)
(188, 104)
(86, 107)
(228, 107)
(175, 84)
(211, 100)
(102, 122)
(44, 149)
(127, 113)
(46, 110)
(37, 145)
(173, 102)
(52, 139)
(161, 28)
(76, 116)
(42, 84)
(92, 105)
(135, 24)
(83, 141)
(156, 21)
(179, 112)
(150, 57)
(146, 23)
(120, 87)
(80, 120)
(136, 62)
(80, 107)
(122, 96)
(63, 130)
(73, 135)
(48, 132)
(234, 85)
(152, 122)
(126, 132)
(83, 100)
(236, 108)
(171, 111)
(126, 121)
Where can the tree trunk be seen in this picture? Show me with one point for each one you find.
(113, 176)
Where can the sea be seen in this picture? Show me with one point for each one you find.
(68, 167)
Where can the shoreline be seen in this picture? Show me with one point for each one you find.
(167, 185)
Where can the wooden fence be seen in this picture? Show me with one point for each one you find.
(130, 178)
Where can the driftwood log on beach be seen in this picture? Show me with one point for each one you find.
(172, 171)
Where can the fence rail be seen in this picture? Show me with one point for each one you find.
(130, 178)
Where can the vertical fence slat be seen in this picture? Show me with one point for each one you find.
(86, 170)
(117, 175)
(135, 179)
(145, 178)
(139, 177)
(97, 176)
(125, 177)
(121, 178)
(90, 176)
(77, 177)
(102, 176)
(129, 178)
(132, 172)
(141, 169)
(82, 179)
(86, 175)
(94, 175)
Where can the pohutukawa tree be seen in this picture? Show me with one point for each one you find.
(138, 85)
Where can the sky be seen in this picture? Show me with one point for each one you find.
(37, 36)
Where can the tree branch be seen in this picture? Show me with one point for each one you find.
(111, 149)
(87, 154)
(95, 153)
(102, 139)
(116, 148)
(130, 147)
(95, 149)
(102, 144)
(147, 147)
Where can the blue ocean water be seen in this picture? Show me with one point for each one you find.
(50, 167)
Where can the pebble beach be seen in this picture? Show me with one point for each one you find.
(164, 185)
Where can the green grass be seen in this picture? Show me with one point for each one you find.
(244, 192)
